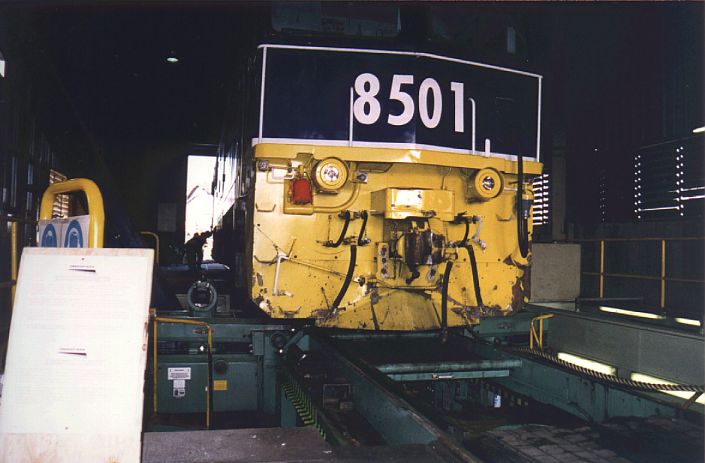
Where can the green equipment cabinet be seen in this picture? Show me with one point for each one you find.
(182, 383)
(236, 383)
(241, 368)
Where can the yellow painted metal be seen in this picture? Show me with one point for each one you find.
(156, 243)
(293, 274)
(536, 335)
(485, 185)
(181, 321)
(95, 206)
(403, 203)
(385, 155)
(645, 277)
(13, 261)
(330, 174)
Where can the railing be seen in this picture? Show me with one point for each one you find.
(156, 244)
(95, 206)
(536, 334)
(12, 282)
(663, 278)
(95, 229)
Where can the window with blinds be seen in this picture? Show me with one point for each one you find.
(669, 180)
(542, 199)
(62, 203)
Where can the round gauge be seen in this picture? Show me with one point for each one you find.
(331, 174)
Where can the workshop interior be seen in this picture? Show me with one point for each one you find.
(352, 231)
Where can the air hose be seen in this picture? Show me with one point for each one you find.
(473, 263)
(444, 296)
(467, 230)
(522, 222)
(361, 241)
(475, 274)
(348, 278)
(346, 215)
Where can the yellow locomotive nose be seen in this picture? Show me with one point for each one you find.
(380, 212)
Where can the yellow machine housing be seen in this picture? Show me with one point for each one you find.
(416, 207)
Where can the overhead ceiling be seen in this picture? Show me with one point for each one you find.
(605, 65)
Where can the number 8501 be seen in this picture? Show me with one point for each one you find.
(367, 109)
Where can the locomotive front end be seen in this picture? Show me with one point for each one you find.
(391, 190)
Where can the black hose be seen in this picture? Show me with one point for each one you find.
(348, 278)
(467, 230)
(444, 296)
(347, 217)
(522, 223)
(475, 274)
(360, 240)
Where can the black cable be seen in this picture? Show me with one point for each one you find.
(347, 217)
(348, 278)
(467, 230)
(522, 223)
(360, 240)
(444, 296)
(475, 274)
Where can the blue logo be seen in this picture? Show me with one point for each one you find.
(49, 238)
(74, 235)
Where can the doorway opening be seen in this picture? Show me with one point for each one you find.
(199, 199)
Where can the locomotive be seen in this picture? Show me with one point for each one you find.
(380, 189)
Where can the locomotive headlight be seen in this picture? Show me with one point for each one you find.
(485, 185)
(488, 183)
(331, 174)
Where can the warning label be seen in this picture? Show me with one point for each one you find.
(179, 373)
(220, 385)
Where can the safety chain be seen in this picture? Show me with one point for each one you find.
(637, 385)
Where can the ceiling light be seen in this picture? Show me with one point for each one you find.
(589, 364)
(688, 321)
(699, 130)
(631, 313)
(172, 59)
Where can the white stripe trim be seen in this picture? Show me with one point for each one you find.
(370, 144)
(538, 124)
(261, 95)
(472, 102)
(404, 53)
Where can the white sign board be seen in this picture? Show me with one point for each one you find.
(73, 385)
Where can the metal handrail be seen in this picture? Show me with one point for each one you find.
(662, 277)
(537, 335)
(156, 240)
(95, 206)
(12, 283)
